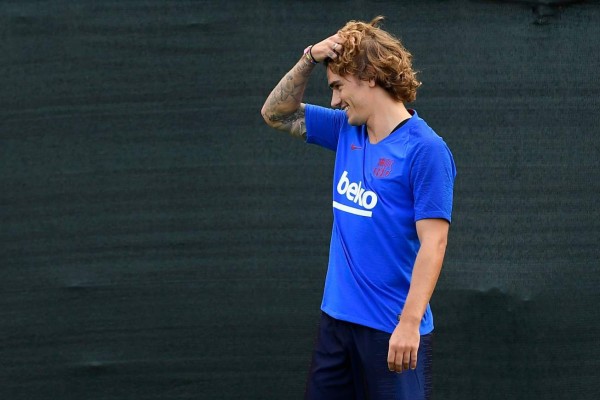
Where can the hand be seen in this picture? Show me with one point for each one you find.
(328, 48)
(404, 346)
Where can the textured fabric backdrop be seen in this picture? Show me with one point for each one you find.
(158, 241)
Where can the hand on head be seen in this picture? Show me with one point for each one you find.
(327, 48)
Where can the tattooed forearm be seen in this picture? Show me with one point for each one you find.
(291, 87)
(283, 108)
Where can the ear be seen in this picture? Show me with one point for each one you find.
(370, 71)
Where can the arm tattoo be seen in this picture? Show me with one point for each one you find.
(293, 123)
(283, 109)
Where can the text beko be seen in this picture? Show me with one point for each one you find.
(356, 193)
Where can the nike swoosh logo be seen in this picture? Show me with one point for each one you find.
(355, 147)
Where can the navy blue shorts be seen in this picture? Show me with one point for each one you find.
(350, 363)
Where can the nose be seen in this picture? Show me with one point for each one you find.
(335, 99)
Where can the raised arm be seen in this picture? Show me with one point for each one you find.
(283, 109)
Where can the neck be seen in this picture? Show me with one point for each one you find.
(381, 123)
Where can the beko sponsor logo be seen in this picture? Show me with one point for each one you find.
(356, 193)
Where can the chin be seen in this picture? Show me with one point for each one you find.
(355, 121)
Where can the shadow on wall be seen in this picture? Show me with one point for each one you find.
(543, 10)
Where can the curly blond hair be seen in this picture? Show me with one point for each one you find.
(369, 52)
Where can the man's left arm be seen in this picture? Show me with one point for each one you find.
(404, 342)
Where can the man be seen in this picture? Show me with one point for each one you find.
(392, 203)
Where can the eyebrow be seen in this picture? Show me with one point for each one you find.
(334, 83)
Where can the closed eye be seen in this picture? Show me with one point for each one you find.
(335, 85)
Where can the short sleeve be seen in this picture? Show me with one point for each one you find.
(432, 179)
(323, 125)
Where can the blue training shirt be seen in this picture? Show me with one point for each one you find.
(379, 192)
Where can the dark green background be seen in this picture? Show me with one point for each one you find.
(158, 241)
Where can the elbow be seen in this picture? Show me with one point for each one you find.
(439, 244)
(435, 246)
(263, 112)
(268, 116)
(442, 242)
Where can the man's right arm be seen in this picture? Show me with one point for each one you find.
(283, 109)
